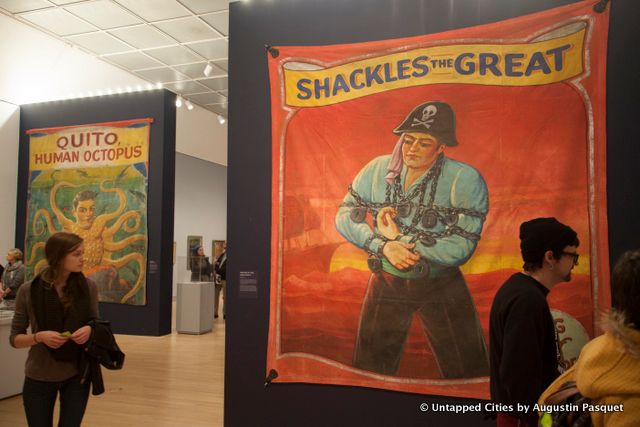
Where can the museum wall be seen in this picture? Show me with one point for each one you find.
(200, 208)
(9, 134)
(292, 22)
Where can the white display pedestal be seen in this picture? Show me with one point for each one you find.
(12, 359)
(194, 307)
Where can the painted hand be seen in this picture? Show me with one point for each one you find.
(400, 255)
(386, 224)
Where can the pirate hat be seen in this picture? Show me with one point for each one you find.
(435, 118)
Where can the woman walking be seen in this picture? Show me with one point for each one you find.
(57, 304)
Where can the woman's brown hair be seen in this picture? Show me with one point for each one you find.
(57, 247)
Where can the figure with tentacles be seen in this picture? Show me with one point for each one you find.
(98, 232)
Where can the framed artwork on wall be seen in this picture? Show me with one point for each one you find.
(216, 249)
(192, 243)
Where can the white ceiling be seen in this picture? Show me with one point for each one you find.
(160, 41)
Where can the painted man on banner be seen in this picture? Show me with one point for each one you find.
(428, 212)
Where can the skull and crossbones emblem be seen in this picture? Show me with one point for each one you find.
(428, 113)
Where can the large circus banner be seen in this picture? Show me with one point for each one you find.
(401, 171)
(92, 180)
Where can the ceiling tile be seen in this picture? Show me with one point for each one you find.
(204, 6)
(104, 14)
(143, 36)
(219, 83)
(222, 63)
(196, 70)
(212, 49)
(58, 21)
(173, 55)
(187, 30)
(218, 108)
(17, 6)
(162, 75)
(155, 10)
(208, 98)
(133, 60)
(219, 21)
(99, 43)
(186, 87)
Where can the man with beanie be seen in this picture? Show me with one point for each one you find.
(427, 212)
(524, 349)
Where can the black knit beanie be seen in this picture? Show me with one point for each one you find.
(544, 234)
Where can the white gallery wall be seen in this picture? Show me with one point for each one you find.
(9, 135)
(200, 208)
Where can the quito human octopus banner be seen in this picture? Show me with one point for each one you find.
(402, 170)
(92, 180)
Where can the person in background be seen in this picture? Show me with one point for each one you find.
(608, 369)
(200, 266)
(58, 304)
(13, 275)
(524, 349)
(221, 281)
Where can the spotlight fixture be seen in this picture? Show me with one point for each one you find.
(221, 119)
(179, 102)
(208, 69)
(158, 85)
(189, 105)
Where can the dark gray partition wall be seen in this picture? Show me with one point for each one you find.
(319, 22)
(155, 317)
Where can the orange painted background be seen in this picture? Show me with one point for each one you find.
(531, 144)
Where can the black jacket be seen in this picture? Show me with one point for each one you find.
(524, 356)
(101, 349)
(221, 265)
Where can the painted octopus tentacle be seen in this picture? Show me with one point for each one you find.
(120, 262)
(38, 227)
(123, 220)
(65, 222)
(113, 246)
(34, 248)
(122, 201)
(39, 266)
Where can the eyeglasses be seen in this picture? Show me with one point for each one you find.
(572, 254)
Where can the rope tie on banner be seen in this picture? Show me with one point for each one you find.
(272, 50)
(601, 6)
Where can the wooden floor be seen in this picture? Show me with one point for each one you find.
(175, 380)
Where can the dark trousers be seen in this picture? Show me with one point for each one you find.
(39, 398)
(448, 316)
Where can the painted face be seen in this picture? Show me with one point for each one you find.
(85, 213)
(420, 150)
(74, 261)
(568, 260)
